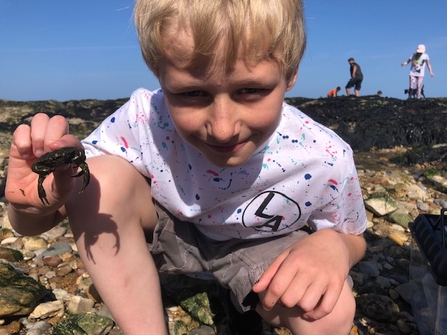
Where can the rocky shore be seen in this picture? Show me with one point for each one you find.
(45, 289)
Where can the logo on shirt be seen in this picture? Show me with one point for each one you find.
(271, 212)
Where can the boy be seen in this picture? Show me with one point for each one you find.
(333, 93)
(212, 173)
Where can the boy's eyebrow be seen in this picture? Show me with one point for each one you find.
(199, 84)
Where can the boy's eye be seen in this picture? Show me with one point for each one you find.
(250, 90)
(194, 94)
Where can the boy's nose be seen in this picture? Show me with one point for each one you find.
(224, 123)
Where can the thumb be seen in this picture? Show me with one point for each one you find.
(62, 184)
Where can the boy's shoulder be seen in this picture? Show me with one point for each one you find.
(301, 129)
(143, 94)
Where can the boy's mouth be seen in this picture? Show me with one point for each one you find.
(226, 148)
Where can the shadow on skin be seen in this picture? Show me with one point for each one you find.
(88, 201)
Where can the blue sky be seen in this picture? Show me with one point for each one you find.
(71, 50)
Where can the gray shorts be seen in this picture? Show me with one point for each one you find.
(178, 247)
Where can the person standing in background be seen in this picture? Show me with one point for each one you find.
(356, 78)
(418, 60)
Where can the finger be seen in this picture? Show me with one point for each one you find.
(67, 140)
(317, 304)
(57, 127)
(61, 185)
(279, 277)
(295, 292)
(38, 129)
(21, 142)
(263, 282)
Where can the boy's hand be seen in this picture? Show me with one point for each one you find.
(30, 142)
(310, 274)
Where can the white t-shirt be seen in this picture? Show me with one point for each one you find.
(418, 65)
(303, 174)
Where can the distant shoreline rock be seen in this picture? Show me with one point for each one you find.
(366, 123)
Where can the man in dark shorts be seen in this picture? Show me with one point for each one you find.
(356, 78)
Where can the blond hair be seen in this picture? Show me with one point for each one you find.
(262, 28)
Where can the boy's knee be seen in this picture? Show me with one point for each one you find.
(339, 321)
(115, 185)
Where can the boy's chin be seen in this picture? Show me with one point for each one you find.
(226, 162)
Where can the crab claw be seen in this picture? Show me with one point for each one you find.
(85, 171)
(41, 190)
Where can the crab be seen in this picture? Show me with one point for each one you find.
(54, 160)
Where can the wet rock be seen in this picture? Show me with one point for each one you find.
(84, 324)
(19, 294)
(381, 203)
(401, 217)
(10, 255)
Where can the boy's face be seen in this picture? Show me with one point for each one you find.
(225, 115)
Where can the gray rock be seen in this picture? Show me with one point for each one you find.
(57, 249)
(369, 268)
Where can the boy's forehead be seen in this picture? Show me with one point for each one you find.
(179, 47)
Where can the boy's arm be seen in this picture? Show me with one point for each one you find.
(31, 224)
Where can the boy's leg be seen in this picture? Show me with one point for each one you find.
(338, 322)
(107, 220)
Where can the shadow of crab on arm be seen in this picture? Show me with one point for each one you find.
(106, 225)
(88, 224)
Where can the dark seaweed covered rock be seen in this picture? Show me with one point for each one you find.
(372, 122)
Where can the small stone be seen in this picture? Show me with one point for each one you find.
(63, 269)
(79, 305)
(48, 310)
(34, 243)
(396, 238)
(369, 268)
(52, 261)
(403, 327)
(9, 240)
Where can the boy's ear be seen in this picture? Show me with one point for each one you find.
(292, 80)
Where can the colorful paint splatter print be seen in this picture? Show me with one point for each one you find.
(304, 174)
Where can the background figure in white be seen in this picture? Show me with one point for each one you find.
(418, 60)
